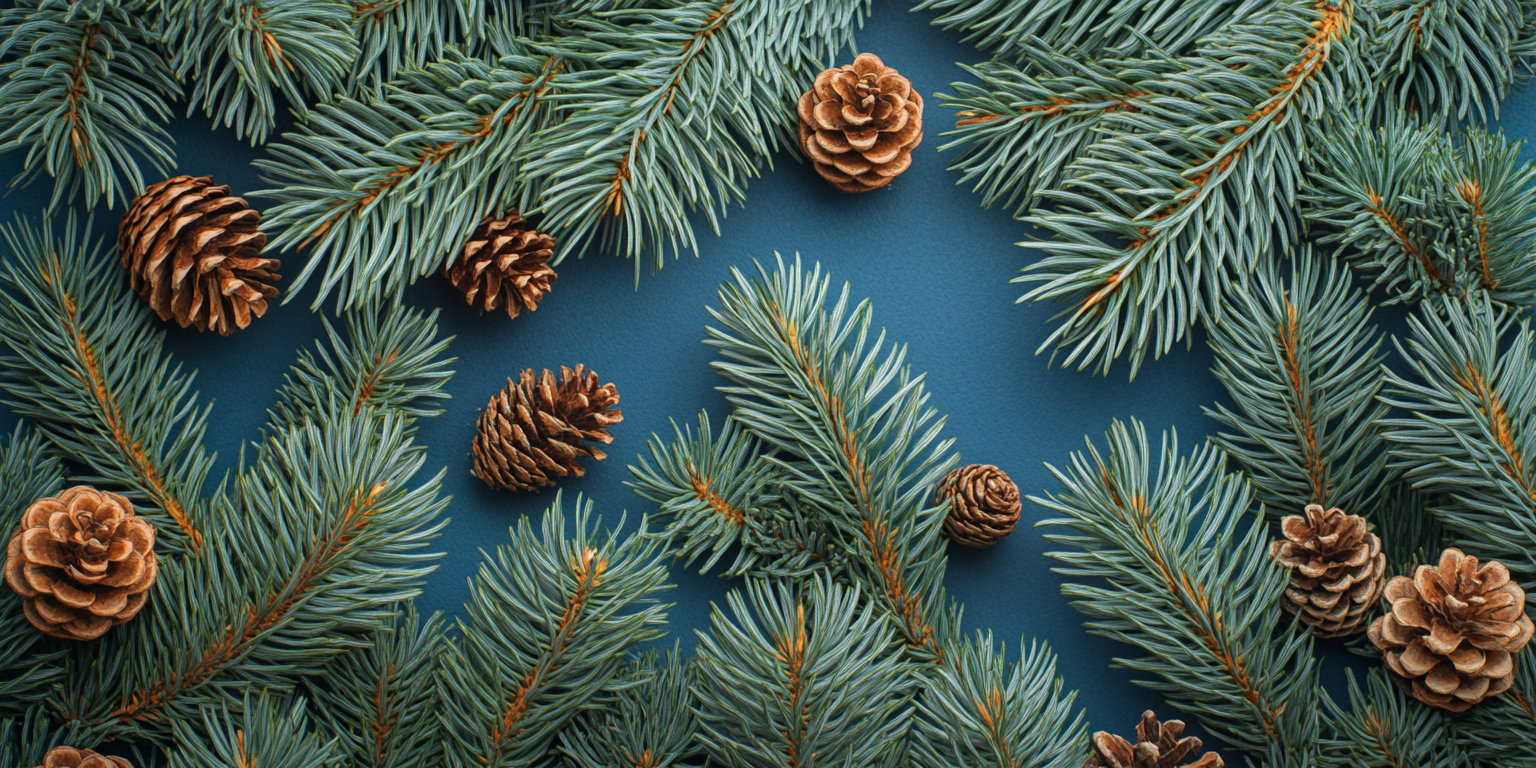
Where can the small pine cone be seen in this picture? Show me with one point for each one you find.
(1336, 566)
(83, 563)
(69, 757)
(193, 252)
(535, 430)
(984, 505)
(1452, 631)
(503, 266)
(859, 124)
(1157, 746)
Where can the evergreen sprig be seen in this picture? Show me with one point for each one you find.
(28, 663)
(651, 722)
(1447, 59)
(266, 731)
(1499, 733)
(1384, 727)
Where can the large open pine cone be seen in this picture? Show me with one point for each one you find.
(69, 757)
(1452, 630)
(984, 505)
(534, 430)
(503, 265)
(1157, 746)
(860, 123)
(193, 252)
(82, 563)
(1336, 566)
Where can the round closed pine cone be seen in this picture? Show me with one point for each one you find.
(69, 757)
(504, 265)
(1450, 636)
(1337, 569)
(984, 505)
(1158, 745)
(859, 124)
(193, 253)
(82, 563)
(536, 429)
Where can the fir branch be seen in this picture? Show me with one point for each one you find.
(856, 438)
(1447, 58)
(1386, 728)
(1173, 565)
(86, 95)
(396, 35)
(263, 733)
(981, 710)
(83, 359)
(26, 738)
(651, 723)
(1300, 360)
(1410, 533)
(28, 472)
(802, 677)
(548, 623)
(242, 55)
(380, 702)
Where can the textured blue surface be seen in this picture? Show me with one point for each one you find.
(936, 266)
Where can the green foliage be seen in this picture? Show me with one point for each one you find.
(1499, 733)
(265, 732)
(24, 739)
(776, 687)
(1447, 58)
(396, 35)
(1175, 566)
(1095, 28)
(651, 723)
(1301, 360)
(1384, 727)
(86, 95)
(551, 616)
(28, 472)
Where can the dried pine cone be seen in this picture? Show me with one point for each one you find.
(535, 430)
(860, 123)
(1336, 569)
(192, 251)
(82, 563)
(1452, 630)
(984, 505)
(69, 757)
(1157, 746)
(503, 266)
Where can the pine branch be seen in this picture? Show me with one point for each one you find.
(83, 359)
(1301, 360)
(1447, 58)
(86, 96)
(802, 676)
(1173, 565)
(242, 56)
(856, 438)
(1502, 733)
(652, 722)
(396, 35)
(1386, 728)
(981, 710)
(548, 624)
(1410, 533)
(380, 702)
(24, 739)
(28, 472)
(265, 732)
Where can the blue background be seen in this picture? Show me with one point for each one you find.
(937, 267)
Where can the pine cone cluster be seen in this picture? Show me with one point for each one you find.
(859, 124)
(1336, 566)
(536, 429)
(1157, 746)
(1452, 631)
(503, 266)
(82, 563)
(984, 505)
(194, 254)
(69, 757)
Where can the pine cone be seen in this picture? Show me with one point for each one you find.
(1157, 746)
(503, 265)
(984, 505)
(192, 251)
(1336, 569)
(860, 123)
(534, 430)
(82, 563)
(69, 757)
(1449, 637)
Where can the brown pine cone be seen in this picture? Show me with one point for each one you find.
(69, 757)
(1452, 630)
(1336, 569)
(503, 266)
(535, 430)
(192, 251)
(1157, 746)
(82, 563)
(860, 123)
(984, 505)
